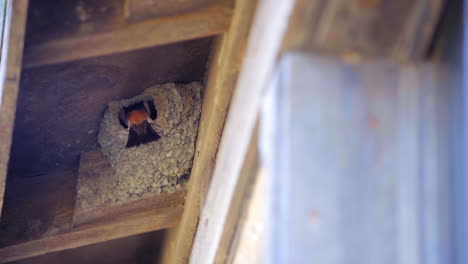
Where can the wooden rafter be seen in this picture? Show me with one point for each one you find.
(228, 56)
(95, 233)
(50, 201)
(128, 36)
(264, 43)
(10, 71)
(395, 29)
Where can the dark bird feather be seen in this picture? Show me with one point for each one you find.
(135, 118)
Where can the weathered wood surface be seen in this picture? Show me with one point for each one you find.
(92, 39)
(241, 202)
(396, 29)
(148, 203)
(10, 72)
(263, 46)
(94, 233)
(3, 5)
(250, 237)
(60, 107)
(137, 249)
(458, 28)
(93, 165)
(143, 9)
(38, 206)
(227, 58)
(40, 215)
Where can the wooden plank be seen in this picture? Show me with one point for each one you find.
(241, 202)
(3, 4)
(124, 37)
(148, 203)
(95, 233)
(143, 9)
(39, 211)
(38, 206)
(267, 32)
(223, 71)
(10, 71)
(397, 29)
(77, 93)
(137, 249)
(251, 234)
(457, 27)
(93, 165)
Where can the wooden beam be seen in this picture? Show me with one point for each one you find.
(225, 64)
(241, 201)
(123, 37)
(38, 206)
(148, 203)
(10, 71)
(137, 249)
(396, 29)
(3, 5)
(40, 214)
(250, 237)
(143, 9)
(94, 166)
(264, 44)
(95, 233)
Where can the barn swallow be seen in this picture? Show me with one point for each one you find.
(136, 119)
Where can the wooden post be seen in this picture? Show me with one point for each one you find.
(225, 64)
(10, 72)
(263, 46)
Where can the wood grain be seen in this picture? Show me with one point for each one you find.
(267, 32)
(250, 238)
(227, 58)
(241, 202)
(77, 93)
(95, 233)
(396, 29)
(143, 9)
(40, 216)
(10, 71)
(148, 203)
(92, 165)
(38, 206)
(121, 37)
(3, 5)
(137, 249)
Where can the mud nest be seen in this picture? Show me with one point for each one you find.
(160, 166)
